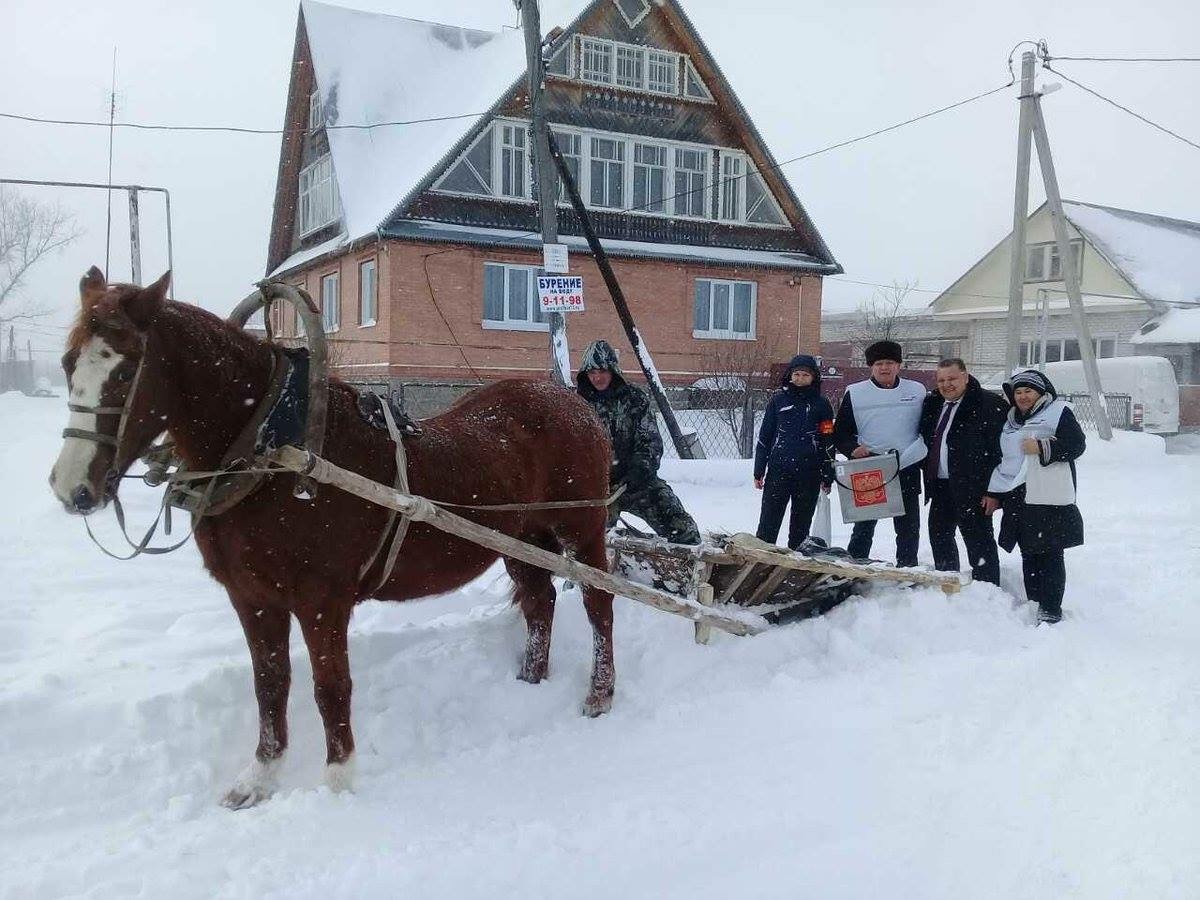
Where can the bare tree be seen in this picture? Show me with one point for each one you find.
(737, 384)
(29, 231)
(882, 318)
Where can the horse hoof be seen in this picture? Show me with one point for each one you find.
(255, 784)
(339, 777)
(244, 798)
(597, 705)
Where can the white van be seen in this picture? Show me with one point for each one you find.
(1148, 380)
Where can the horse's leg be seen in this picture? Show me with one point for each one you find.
(266, 631)
(534, 592)
(599, 606)
(324, 632)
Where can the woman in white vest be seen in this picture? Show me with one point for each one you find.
(1035, 486)
(877, 416)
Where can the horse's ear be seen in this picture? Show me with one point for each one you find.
(91, 288)
(143, 306)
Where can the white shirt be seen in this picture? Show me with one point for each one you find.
(950, 407)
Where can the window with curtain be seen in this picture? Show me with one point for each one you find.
(724, 309)
(510, 298)
(331, 313)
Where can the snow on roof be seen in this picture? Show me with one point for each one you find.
(503, 237)
(371, 68)
(1176, 326)
(1158, 256)
(309, 254)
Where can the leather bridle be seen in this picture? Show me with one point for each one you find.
(100, 437)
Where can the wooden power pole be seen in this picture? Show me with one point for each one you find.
(1033, 126)
(560, 359)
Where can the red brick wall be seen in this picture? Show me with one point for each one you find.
(1189, 407)
(431, 304)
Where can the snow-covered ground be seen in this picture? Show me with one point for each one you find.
(905, 745)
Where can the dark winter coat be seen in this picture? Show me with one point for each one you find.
(796, 435)
(1038, 528)
(972, 441)
(627, 416)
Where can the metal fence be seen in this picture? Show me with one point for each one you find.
(728, 426)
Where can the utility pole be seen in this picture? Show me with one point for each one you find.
(1016, 272)
(135, 238)
(1087, 347)
(560, 360)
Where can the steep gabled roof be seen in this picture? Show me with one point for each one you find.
(371, 67)
(1158, 256)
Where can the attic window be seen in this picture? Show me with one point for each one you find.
(318, 195)
(632, 11)
(315, 119)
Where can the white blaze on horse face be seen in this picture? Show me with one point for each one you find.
(95, 365)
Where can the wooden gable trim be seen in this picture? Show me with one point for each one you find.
(291, 149)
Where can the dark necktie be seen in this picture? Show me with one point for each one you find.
(933, 461)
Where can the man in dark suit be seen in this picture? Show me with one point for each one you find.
(961, 424)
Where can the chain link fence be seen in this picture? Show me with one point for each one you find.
(1119, 410)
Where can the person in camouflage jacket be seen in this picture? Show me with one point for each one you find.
(637, 446)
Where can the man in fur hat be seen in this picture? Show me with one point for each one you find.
(880, 415)
(637, 446)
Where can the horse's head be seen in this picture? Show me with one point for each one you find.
(112, 399)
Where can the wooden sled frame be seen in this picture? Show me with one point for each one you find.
(745, 575)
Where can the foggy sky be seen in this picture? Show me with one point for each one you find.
(920, 204)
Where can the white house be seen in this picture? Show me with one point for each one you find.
(1139, 277)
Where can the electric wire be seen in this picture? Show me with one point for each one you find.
(1124, 109)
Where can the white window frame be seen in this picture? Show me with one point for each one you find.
(314, 111)
(667, 155)
(726, 334)
(507, 324)
(664, 57)
(635, 56)
(629, 141)
(499, 166)
(303, 198)
(365, 321)
(1031, 349)
(634, 23)
(331, 313)
(1047, 251)
(690, 66)
(621, 159)
(647, 56)
(730, 181)
(596, 48)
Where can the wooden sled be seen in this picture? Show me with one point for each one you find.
(741, 571)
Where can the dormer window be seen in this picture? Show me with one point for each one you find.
(317, 203)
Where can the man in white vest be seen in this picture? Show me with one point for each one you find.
(877, 416)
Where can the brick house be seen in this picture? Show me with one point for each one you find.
(420, 241)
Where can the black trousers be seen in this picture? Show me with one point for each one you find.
(800, 491)
(908, 526)
(945, 515)
(1045, 580)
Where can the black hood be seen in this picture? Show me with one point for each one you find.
(803, 361)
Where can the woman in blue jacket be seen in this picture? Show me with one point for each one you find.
(793, 452)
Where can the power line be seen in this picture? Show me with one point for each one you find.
(230, 128)
(1177, 303)
(1133, 59)
(1124, 109)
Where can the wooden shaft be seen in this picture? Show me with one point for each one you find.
(422, 510)
(947, 581)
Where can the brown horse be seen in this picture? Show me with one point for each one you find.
(199, 379)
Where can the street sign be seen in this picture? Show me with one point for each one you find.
(560, 293)
(554, 258)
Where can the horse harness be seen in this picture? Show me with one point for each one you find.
(242, 471)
